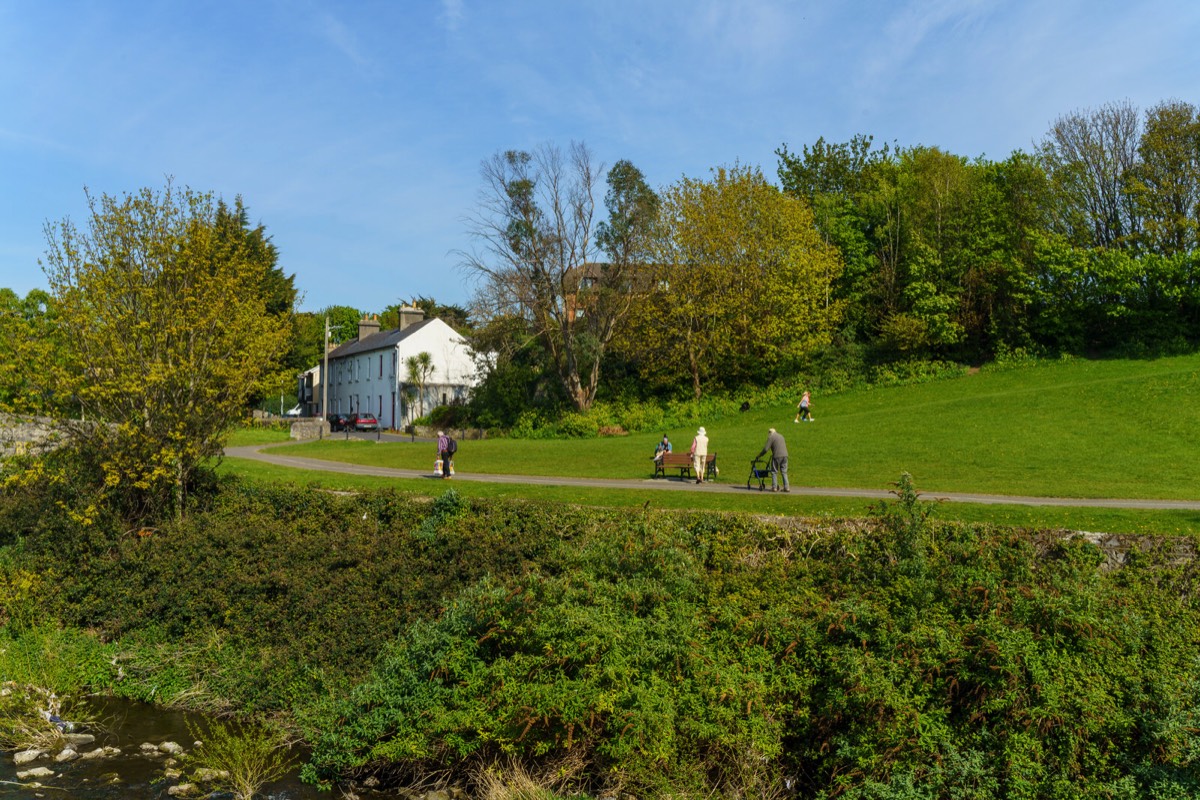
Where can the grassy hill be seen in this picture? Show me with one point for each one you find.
(1091, 429)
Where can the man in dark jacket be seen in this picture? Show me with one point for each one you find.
(444, 452)
(779, 459)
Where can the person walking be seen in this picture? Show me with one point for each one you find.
(777, 447)
(699, 454)
(445, 449)
(802, 410)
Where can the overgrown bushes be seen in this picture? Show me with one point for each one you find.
(718, 654)
(658, 653)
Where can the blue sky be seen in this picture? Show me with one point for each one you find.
(354, 131)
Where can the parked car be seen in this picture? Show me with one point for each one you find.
(364, 422)
(338, 422)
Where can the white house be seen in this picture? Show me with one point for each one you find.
(370, 374)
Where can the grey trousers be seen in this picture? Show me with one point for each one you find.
(779, 465)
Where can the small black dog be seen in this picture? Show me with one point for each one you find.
(746, 405)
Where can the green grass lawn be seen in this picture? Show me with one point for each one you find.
(1090, 429)
(1090, 519)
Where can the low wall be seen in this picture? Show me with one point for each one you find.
(27, 435)
(309, 428)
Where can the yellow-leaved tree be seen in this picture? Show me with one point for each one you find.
(740, 283)
(165, 331)
(28, 342)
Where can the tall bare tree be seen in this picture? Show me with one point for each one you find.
(1090, 157)
(538, 250)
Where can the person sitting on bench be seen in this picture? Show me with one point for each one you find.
(662, 448)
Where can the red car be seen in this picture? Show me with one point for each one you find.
(363, 422)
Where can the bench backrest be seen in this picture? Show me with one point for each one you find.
(684, 458)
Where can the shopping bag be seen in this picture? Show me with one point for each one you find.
(437, 467)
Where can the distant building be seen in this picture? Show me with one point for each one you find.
(370, 374)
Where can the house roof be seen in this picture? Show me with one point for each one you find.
(379, 341)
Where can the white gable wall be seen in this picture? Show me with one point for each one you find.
(453, 374)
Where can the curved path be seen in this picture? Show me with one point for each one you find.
(256, 453)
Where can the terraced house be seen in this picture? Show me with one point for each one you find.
(370, 374)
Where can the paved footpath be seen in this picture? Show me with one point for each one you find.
(269, 455)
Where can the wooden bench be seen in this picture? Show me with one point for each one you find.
(683, 462)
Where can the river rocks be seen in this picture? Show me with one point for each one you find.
(100, 752)
(36, 772)
(76, 739)
(184, 790)
(170, 748)
(66, 754)
(25, 756)
(205, 775)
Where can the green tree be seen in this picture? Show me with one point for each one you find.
(517, 375)
(29, 334)
(538, 249)
(170, 336)
(739, 285)
(1008, 208)
(308, 331)
(277, 289)
(343, 322)
(1165, 185)
(834, 177)
(456, 317)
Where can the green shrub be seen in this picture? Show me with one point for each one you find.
(641, 416)
(240, 759)
(718, 656)
(654, 653)
(901, 373)
(577, 426)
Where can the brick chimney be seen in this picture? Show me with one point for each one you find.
(368, 326)
(410, 316)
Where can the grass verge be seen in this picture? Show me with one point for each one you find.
(1088, 519)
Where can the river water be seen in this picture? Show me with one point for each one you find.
(131, 775)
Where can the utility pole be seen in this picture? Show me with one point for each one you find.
(325, 375)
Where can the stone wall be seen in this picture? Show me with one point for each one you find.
(27, 435)
(309, 428)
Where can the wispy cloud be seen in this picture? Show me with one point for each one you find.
(452, 14)
(757, 30)
(911, 29)
(343, 39)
